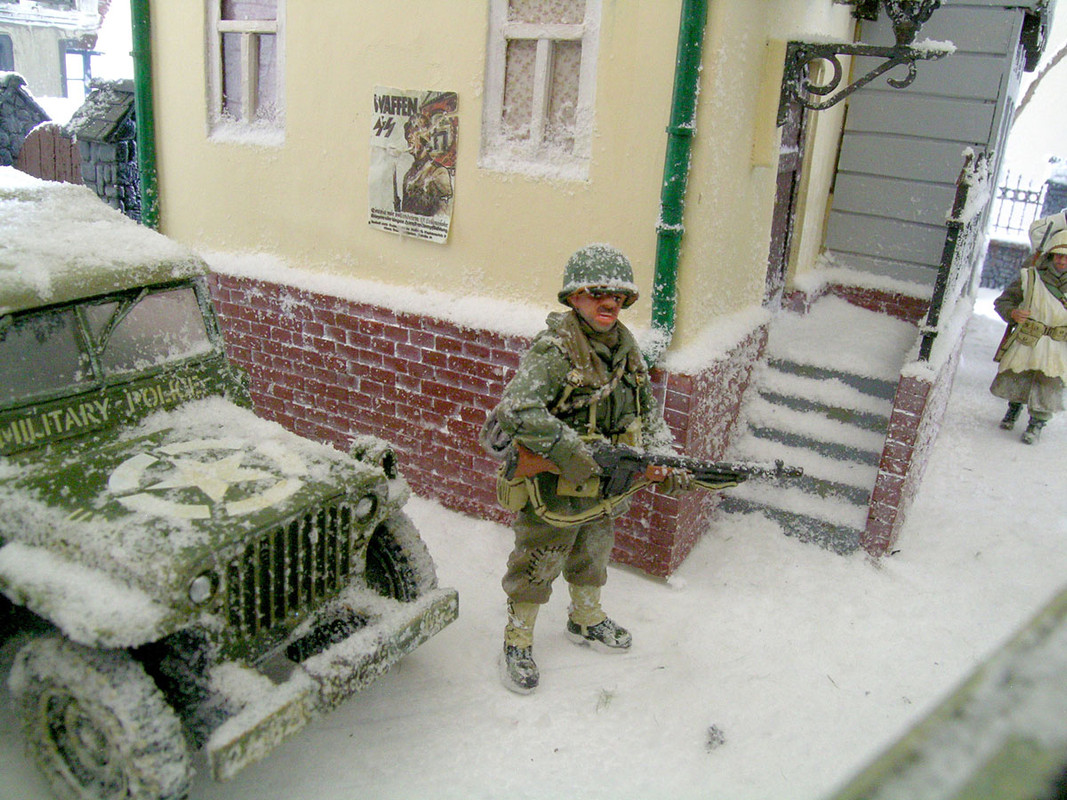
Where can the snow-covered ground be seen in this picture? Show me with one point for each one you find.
(763, 668)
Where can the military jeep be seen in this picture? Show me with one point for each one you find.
(197, 577)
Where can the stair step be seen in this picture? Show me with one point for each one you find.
(835, 450)
(826, 489)
(842, 539)
(847, 473)
(875, 387)
(871, 421)
(831, 392)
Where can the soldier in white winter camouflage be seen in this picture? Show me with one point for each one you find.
(582, 380)
(1033, 354)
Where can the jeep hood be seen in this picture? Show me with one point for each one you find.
(150, 506)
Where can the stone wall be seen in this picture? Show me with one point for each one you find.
(19, 114)
(106, 131)
(1003, 260)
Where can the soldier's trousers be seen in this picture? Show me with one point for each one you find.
(543, 551)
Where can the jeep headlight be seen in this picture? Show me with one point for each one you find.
(202, 588)
(365, 508)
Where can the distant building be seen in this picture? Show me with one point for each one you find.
(105, 130)
(50, 43)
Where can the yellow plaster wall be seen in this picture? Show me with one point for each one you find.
(734, 170)
(306, 200)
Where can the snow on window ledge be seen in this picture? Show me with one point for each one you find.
(258, 135)
(547, 164)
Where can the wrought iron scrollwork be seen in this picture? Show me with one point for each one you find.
(907, 16)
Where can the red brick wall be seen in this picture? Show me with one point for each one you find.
(329, 369)
(902, 306)
(918, 408)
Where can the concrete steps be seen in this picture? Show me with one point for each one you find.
(828, 419)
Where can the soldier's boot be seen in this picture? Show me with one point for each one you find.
(1010, 416)
(587, 624)
(518, 670)
(1033, 430)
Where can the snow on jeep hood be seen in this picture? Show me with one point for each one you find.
(61, 242)
(187, 485)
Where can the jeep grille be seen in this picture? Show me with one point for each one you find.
(290, 569)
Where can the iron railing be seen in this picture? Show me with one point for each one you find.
(1016, 203)
(961, 257)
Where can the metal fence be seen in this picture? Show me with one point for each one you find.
(1017, 202)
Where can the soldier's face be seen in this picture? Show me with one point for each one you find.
(601, 311)
(1059, 261)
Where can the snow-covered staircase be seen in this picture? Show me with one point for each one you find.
(821, 401)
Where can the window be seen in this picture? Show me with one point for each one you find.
(7, 54)
(159, 329)
(76, 70)
(540, 83)
(245, 72)
(30, 341)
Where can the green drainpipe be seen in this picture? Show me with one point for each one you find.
(144, 110)
(680, 133)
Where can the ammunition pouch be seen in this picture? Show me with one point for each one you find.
(511, 494)
(1030, 332)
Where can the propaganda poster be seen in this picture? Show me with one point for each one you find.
(413, 162)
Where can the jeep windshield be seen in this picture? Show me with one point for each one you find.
(65, 350)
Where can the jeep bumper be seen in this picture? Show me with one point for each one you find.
(271, 712)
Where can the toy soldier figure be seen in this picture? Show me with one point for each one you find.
(583, 379)
(1033, 355)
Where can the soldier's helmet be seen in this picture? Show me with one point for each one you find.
(599, 266)
(1057, 243)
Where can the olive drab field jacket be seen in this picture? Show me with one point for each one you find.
(573, 386)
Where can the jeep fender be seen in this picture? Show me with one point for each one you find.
(85, 604)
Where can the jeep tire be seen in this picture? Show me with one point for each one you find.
(97, 725)
(399, 565)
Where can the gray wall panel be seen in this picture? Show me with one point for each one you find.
(895, 198)
(904, 158)
(886, 238)
(961, 75)
(902, 150)
(905, 113)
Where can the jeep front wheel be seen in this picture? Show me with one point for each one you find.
(97, 725)
(399, 565)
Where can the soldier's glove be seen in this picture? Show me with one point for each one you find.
(676, 482)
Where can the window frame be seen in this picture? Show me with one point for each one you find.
(249, 30)
(74, 47)
(504, 154)
(7, 53)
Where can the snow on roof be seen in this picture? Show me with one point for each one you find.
(61, 243)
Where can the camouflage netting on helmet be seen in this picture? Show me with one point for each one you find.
(598, 265)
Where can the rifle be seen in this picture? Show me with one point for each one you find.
(624, 470)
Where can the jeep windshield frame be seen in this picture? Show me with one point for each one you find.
(60, 351)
